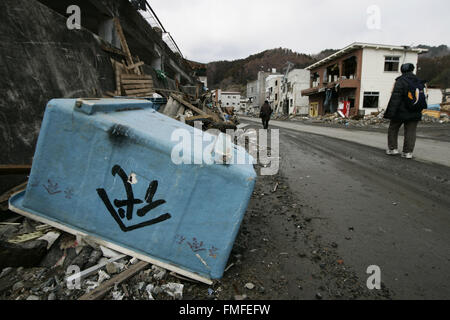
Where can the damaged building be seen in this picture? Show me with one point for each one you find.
(360, 76)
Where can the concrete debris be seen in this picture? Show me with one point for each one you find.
(115, 267)
(108, 253)
(149, 290)
(158, 273)
(102, 276)
(375, 119)
(174, 290)
(50, 237)
(250, 286)
(118, 295)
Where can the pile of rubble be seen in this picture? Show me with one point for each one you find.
(375, 119)
(39, 262)
(189, 109)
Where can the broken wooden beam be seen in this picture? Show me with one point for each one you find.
(112, 50)
(172, 91)
(200, 118)
(123, 43)
(7, 169)
(136, 65)
(92, 270)
(188, 105)
(104, 288)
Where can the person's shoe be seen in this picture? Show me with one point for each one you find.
(407, 155)
(394, 152)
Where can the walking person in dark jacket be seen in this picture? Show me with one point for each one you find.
(405, 108)
(266, 112)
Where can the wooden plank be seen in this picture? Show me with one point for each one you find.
(92, 270)
(198, 118)
(137, 86)
(104, 288)
(112, 246)
(187, 104)
(149, 82)
(136, 65)
(112, 50)
(146, 90)
(7, 169)
(136, 77)
(141, 68)
(117, 74)
(144, 95)
(123, 41)
(222, 115)
(141, 95)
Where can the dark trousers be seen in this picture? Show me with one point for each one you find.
(265, 122)
(410, 135)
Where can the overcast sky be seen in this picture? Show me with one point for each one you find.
(210, 30)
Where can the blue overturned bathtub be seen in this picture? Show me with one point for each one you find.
(103, 169)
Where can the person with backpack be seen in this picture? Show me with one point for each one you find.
(405, 108)
(266, 112)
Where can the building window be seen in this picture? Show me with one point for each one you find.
(371, 100)
(391, 64)
(276, 96)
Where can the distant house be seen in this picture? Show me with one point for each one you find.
(361, 75)
(292, 100)
(273, 90)
(228, 99)
(256, 90)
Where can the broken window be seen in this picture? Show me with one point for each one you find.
(349, 68)
(391, 64)
(333, 73)
(371, 100)
(315, 79)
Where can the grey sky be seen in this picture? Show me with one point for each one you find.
(210, 30)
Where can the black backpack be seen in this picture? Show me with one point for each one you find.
(416, 100)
